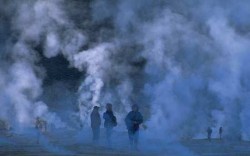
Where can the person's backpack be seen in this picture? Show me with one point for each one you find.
(114, 121)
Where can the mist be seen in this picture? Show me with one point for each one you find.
(185, 63)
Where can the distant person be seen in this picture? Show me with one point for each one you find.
(109, 122)
(133, 121)
(209, 133)
(41, 126)
(220, 132)
(95, 123)
(4, 126)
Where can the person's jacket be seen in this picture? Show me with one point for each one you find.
(209, 131)
(133, 120)
(109, 119)
(95, 119)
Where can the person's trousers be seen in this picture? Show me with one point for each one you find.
(133, 137)
(96, 133)
(109, 132)
(209, 137)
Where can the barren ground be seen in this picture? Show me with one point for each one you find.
(71, 143)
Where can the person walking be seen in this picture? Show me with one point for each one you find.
(133, 121)
(109, 122)
(95, 123)
(209, 133)
(220, 132)
(41, 126)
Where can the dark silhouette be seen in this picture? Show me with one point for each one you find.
(133, 121)
(220, 132)
(209, 133)
(4, 125)
(109, 122)
(41, 126)
(95, 123)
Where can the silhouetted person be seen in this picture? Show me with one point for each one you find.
(220, 132)
(95, 123)
(133, 121)
(209, 133)
(41, 126)
(4, 126)
(109, 122)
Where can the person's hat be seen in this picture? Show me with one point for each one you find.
(135, 106)
(108, 105)
(96, 105)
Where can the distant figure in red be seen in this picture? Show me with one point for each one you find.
(209, 133)
(220, 132)
(95, 123)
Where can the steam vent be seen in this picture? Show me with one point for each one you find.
(124, 78)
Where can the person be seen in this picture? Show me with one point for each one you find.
(4, 126)
(41, 126)
(209, 133)
(95, 123)
(133, 121)
(220, 132)
(109, 122)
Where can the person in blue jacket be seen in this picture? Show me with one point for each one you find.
(109, 122)
(133, 121)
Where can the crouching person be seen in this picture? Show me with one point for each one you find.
(133, 121)
(41, 126)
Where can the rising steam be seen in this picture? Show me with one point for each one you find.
(184, 62)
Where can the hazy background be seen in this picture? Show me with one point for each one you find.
(185, 63)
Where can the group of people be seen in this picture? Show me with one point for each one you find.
(209, 133)
(133, 121)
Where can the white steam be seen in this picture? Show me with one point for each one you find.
(184, 63)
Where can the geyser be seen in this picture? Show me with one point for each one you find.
(185, 63)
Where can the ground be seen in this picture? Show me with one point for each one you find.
(75, 143)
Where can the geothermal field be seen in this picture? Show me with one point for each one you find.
(77, 143)
(182, 66)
